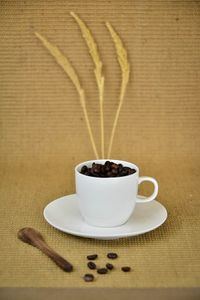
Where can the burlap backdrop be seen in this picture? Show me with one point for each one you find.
(43, 134)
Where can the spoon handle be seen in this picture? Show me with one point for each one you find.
(34, 238)
(59, 260)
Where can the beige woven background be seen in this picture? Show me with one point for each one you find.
(43, 134)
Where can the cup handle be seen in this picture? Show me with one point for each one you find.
(155, 192)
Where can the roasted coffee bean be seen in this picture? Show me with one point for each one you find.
(107, 163)
(109, 266)
(88, 173)
(109, 169)
(123, 173)
(112, 255)
(91, 265)
(109, 174)
(114, 172)
(126, 169)
(126, 269)
(95, 175)
(92, 257)
(92, 172)
(84, 169)
(103, 171)
(102, 271)
(114, 166)
(97, 168)
(88, 277)
(131, 171)
(102, 175)
(120, 168)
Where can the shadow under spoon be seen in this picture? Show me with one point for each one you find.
(33, 237)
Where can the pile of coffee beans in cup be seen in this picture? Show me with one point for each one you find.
(108, 169)
(89, 277)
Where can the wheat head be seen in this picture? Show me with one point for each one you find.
(93, 50)
(125, 71)
(62, 60)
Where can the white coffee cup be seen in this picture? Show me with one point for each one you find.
(110, 201)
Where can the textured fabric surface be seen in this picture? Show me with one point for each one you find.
(43, 134)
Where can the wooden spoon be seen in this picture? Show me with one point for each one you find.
(33, 237)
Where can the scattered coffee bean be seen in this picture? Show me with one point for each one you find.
(88, 277)
(102, 271)
(109, 266)
(92, 257)
(126, 269)
(108, 169)
(91, 265)
(112, 255)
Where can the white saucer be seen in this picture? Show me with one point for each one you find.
(64, 215)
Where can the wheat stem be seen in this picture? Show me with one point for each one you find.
(125, 71)
(93, 50)
(62, 60)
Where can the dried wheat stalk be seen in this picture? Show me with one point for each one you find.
(62, 60)
(92, 46)
(125, 70)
